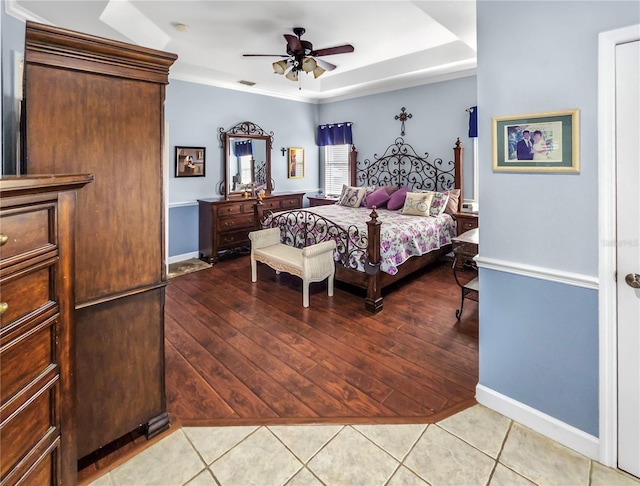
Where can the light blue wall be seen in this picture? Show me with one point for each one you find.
(194, 113)
(438, 118)
(538, 339)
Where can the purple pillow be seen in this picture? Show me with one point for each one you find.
(396, 201)
(378, 198)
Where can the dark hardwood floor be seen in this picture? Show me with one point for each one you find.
(239, 353)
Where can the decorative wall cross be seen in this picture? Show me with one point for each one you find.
(403, 116)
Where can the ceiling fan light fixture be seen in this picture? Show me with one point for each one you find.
(318, 71)
(292, 75)
(309, 64)
(279, 67)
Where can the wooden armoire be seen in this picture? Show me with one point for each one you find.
(94, 105)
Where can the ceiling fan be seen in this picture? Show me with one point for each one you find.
(301, 56)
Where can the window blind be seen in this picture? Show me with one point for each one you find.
(336, 168)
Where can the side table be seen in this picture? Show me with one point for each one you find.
(465, 248)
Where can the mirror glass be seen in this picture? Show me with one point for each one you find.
(247, 159)
(247, 163)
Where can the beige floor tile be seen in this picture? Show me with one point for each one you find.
(172, 461)
(259, 460)
(102, 481)
(542, 460)
(212, 442)
(352, 459)
(605, 476)
(479, 426)
(305, 440)
(404, 477)
(304, 478)
(442, 459)
(503, 476)
(203, 479)
(397, 440)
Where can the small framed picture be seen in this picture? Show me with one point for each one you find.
(296, 163)
(190, 161)
(539, 142)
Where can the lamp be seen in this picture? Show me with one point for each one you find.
(279, 67)
(291, 67)
(309, 64)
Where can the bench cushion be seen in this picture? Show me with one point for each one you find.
(281, 257)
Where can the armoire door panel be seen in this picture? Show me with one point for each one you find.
(120, 372)
(119, 130)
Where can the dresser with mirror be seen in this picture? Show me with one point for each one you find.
(245, 193)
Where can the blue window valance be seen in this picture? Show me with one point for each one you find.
(473, 122)
(244, 147)
(335, 134)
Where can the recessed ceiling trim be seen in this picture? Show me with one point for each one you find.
(124, 17)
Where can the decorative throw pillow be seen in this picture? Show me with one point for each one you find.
(378, 198)
(417, 203)
(396, 201)
(452, 203)
(368, 190)
(438, 203)
(351, 196)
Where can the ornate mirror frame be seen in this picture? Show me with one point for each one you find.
(244, 130)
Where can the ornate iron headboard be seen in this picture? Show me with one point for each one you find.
(400, 165)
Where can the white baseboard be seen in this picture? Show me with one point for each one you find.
(565, 434)
(180, 258)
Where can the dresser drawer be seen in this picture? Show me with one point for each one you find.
(22, 432)
(290, 203)
(230, 240)
(26, 231)
(26, 357)
(468, 224)
(271, 204)
(231, 208)
(236, 222)
(26, 292)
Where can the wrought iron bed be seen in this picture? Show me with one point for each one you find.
(399, 165)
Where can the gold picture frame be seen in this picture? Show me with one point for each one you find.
(538, 142)
(296, 163)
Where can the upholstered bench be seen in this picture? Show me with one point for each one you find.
(312, 264)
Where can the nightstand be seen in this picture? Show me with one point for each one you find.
(321, 200)
(465, 221)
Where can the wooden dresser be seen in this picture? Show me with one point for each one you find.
(225, 223)
(96, 105)
(37, 391)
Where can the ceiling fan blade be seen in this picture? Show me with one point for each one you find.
(265, 55)
(294, 43)
(327, 66)
(333, 50)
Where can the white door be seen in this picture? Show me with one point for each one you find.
(628, 253)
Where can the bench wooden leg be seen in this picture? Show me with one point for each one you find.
(254, 270)
(305, 293)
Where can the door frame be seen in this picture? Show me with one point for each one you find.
(607, 215)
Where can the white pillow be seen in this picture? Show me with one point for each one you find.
(417, 203)
(351, 196)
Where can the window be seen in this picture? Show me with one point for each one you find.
(246, 177)
(336, 168)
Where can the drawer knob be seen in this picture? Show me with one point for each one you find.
(3, 307)
(3, 239)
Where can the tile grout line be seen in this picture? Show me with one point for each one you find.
(206, 466)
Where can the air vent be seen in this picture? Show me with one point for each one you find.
(248, 83)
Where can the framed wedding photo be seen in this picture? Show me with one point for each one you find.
(190, 161)
(539, 142)
(296, 163)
